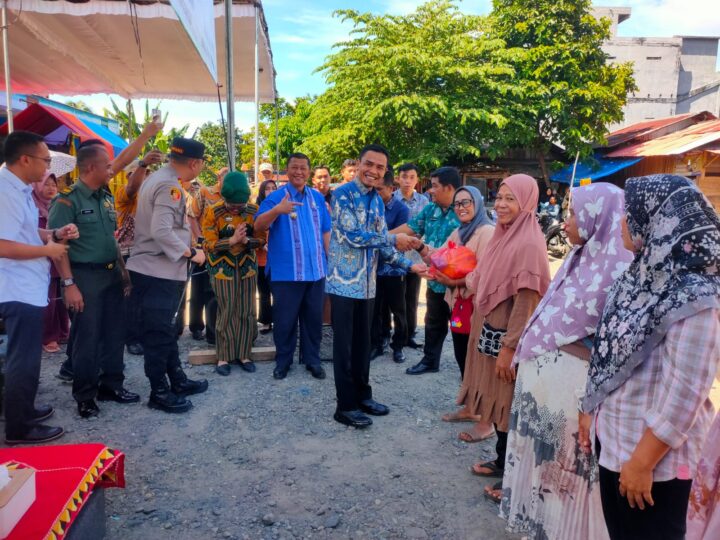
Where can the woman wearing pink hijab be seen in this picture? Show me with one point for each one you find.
(516, 276)
(57, 322)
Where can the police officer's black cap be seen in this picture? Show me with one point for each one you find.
(187, 148)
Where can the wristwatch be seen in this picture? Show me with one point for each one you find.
(193, 252)
(67, 282)
(142, 164)
(55, 236)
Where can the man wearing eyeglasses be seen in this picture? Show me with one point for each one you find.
(158, 264)
(24, 279)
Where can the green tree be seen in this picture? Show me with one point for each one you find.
(432, 86)
(569, 90)
(79, 105)
(212, 135)
(292, 126)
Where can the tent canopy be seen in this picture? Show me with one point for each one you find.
(55, 125)
(88, 46)
(599, 168)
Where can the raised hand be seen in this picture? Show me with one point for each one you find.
(286, 206)
(153, 157)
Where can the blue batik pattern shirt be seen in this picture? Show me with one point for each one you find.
(296, 251)
(359, 234)
(434, 225)
(415, 203)
(396, 214)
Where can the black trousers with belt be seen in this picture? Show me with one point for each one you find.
(665, 520)
(351, 320)
(390, 296)
(412, 297)
(98, 334)
(24, 327)
(437, 325)
(160, 298)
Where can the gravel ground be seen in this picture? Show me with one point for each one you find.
(263, 459)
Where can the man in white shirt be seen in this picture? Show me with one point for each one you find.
(24, 280)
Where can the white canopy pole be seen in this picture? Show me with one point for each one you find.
(257, 93)
(6, 61)
(230, 85)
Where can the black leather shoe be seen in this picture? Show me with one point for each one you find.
(280, 373)
(65, 374)
(43, 412)
(118, 396)
(36, 434)
(88, 408)
(166, 401)
(420, 368)
(354, 419)
(414, 344)
(189, 387)
(265, 329)
(317, 371)
(135, 349)
(370, 406)
(223, 370)
(197, 335)
(398, 357)
(377, 352)
(248, 366)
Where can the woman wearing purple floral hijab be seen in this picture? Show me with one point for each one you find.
(550, 488)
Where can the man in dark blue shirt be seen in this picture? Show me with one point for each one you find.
(390, 292)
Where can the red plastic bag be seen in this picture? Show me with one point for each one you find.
(454, 261)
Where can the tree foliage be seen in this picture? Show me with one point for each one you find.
(292, 129)
(569, 90)
(431, 86)
(212, 135)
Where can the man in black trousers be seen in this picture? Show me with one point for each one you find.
(359, 235)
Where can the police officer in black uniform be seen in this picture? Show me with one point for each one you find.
(158, 264)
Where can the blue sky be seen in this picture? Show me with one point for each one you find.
(302, 35)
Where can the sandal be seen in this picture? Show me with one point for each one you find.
(473, 435)
(495, 471)
(494, 494)
(51, 347)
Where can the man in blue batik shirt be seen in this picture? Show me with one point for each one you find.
(359, 235)
(390, 288)
(298, 222)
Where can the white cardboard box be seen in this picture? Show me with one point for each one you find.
(16, 498)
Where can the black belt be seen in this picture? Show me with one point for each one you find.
(95, 266)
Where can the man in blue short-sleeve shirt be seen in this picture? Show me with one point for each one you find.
(298, 222)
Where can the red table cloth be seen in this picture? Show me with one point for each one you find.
(66, 476)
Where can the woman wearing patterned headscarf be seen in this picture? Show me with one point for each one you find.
(543, 455)
(656, 351)
(515, 276)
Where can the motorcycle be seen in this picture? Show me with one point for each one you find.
(555, 238)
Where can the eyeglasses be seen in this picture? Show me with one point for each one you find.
(465, 203)
(48, 161)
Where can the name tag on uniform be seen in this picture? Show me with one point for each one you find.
(87, 211)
